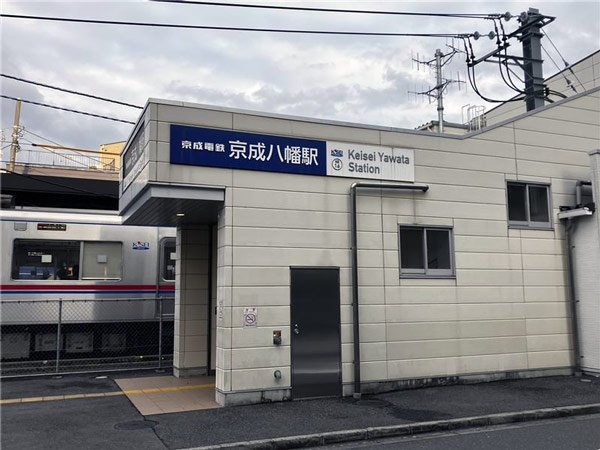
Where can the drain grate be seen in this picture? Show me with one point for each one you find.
(135, 425)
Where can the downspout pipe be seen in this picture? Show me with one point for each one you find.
(354, 240)
(578, 194)
(572, 291)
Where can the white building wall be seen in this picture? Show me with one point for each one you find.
(507, 308)
(586, 256)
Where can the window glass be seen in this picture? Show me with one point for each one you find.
(538, 204)
(102, 260)
(438, 249)
(517, 206)
(45, 260)
(411, 248)
(168, 261)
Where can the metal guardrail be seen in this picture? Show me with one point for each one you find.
(64, 336)
(66, 160)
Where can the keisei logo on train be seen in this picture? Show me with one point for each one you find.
(140, 245)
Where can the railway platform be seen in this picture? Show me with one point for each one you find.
(100, 412)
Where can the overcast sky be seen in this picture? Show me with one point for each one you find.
(357, 79)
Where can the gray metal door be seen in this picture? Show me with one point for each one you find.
(315, 332)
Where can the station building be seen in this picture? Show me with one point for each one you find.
(320, 258)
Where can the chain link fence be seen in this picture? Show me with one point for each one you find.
(62, 336)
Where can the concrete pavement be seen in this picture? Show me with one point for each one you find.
(112, 422)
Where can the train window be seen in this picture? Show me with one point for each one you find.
(102, 260)
(168, 260)
(45, 260)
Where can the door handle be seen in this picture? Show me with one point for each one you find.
(296, 329)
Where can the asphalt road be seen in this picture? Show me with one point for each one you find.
(579, 433)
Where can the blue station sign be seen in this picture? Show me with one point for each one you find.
(237, 150)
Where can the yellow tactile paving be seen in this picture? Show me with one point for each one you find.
(105, 394)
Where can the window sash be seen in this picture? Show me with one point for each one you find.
(426, 271)
(530, 223)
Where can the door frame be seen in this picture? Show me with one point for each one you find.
(340, 365)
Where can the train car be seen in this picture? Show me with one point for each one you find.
(109, 286)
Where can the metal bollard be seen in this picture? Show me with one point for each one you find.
(160, 331)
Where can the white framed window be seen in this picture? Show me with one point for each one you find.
(102, 260)
(528, 205)
(426, 251)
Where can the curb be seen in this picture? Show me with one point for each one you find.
(336, 437)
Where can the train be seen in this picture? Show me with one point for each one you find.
(82, 284)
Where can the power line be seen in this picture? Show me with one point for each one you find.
(209, 27)
(104, 99)
(332, 10)
(567, 65)
(67, 109)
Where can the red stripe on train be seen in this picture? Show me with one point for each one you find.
(84, 287)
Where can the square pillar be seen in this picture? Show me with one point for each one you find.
(190, 356)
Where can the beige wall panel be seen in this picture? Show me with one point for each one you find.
(412, 140)
(369, 333)
(391, 259)
(287, 182)
(374, 295)
(492, 363)
(491, 328)
(485, 294)
(474, 227)
(548, 139)
(328, 132)
(464, 177)
(465, 161)
(371, 314)
(455, 347)
(300, 238)
(490, 311)
(466, 194)
(539, 360)
(258, 124)
(282, 256)
(431, 208)
(547, 326)
(549, 342)
(542, 246)
(373, 371)
(551, 170)
(571, 114)
(422, 368)
(263, 198)
(545, 278)
(274, 218)
(545, 293)
(248, 379)
(255, 358)
(373, 351)
(541, 310)
(488, 261)
(421, 313)
(420, 294)
(249, 337)
(551, 126)
(424, 282)
(268, 316)
(421, 331)
(481, 277)
(174, 173)
(193, 116)
(552, 155)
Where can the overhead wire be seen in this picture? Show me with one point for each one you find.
(67, 109)
(567, 65)
(223, 28)
(69, 91)
(333, 10)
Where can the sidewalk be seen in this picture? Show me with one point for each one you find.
(112, 422)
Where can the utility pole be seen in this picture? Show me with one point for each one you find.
(531, 22)
(437, 92)
(15, 137)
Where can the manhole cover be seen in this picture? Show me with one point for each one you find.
(135, 425)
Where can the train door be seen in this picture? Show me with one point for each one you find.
(166, 277)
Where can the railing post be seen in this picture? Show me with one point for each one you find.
(160, 331)
(58, 336)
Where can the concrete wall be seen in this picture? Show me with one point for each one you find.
(506, 309)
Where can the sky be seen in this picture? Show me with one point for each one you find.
(359, 79)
